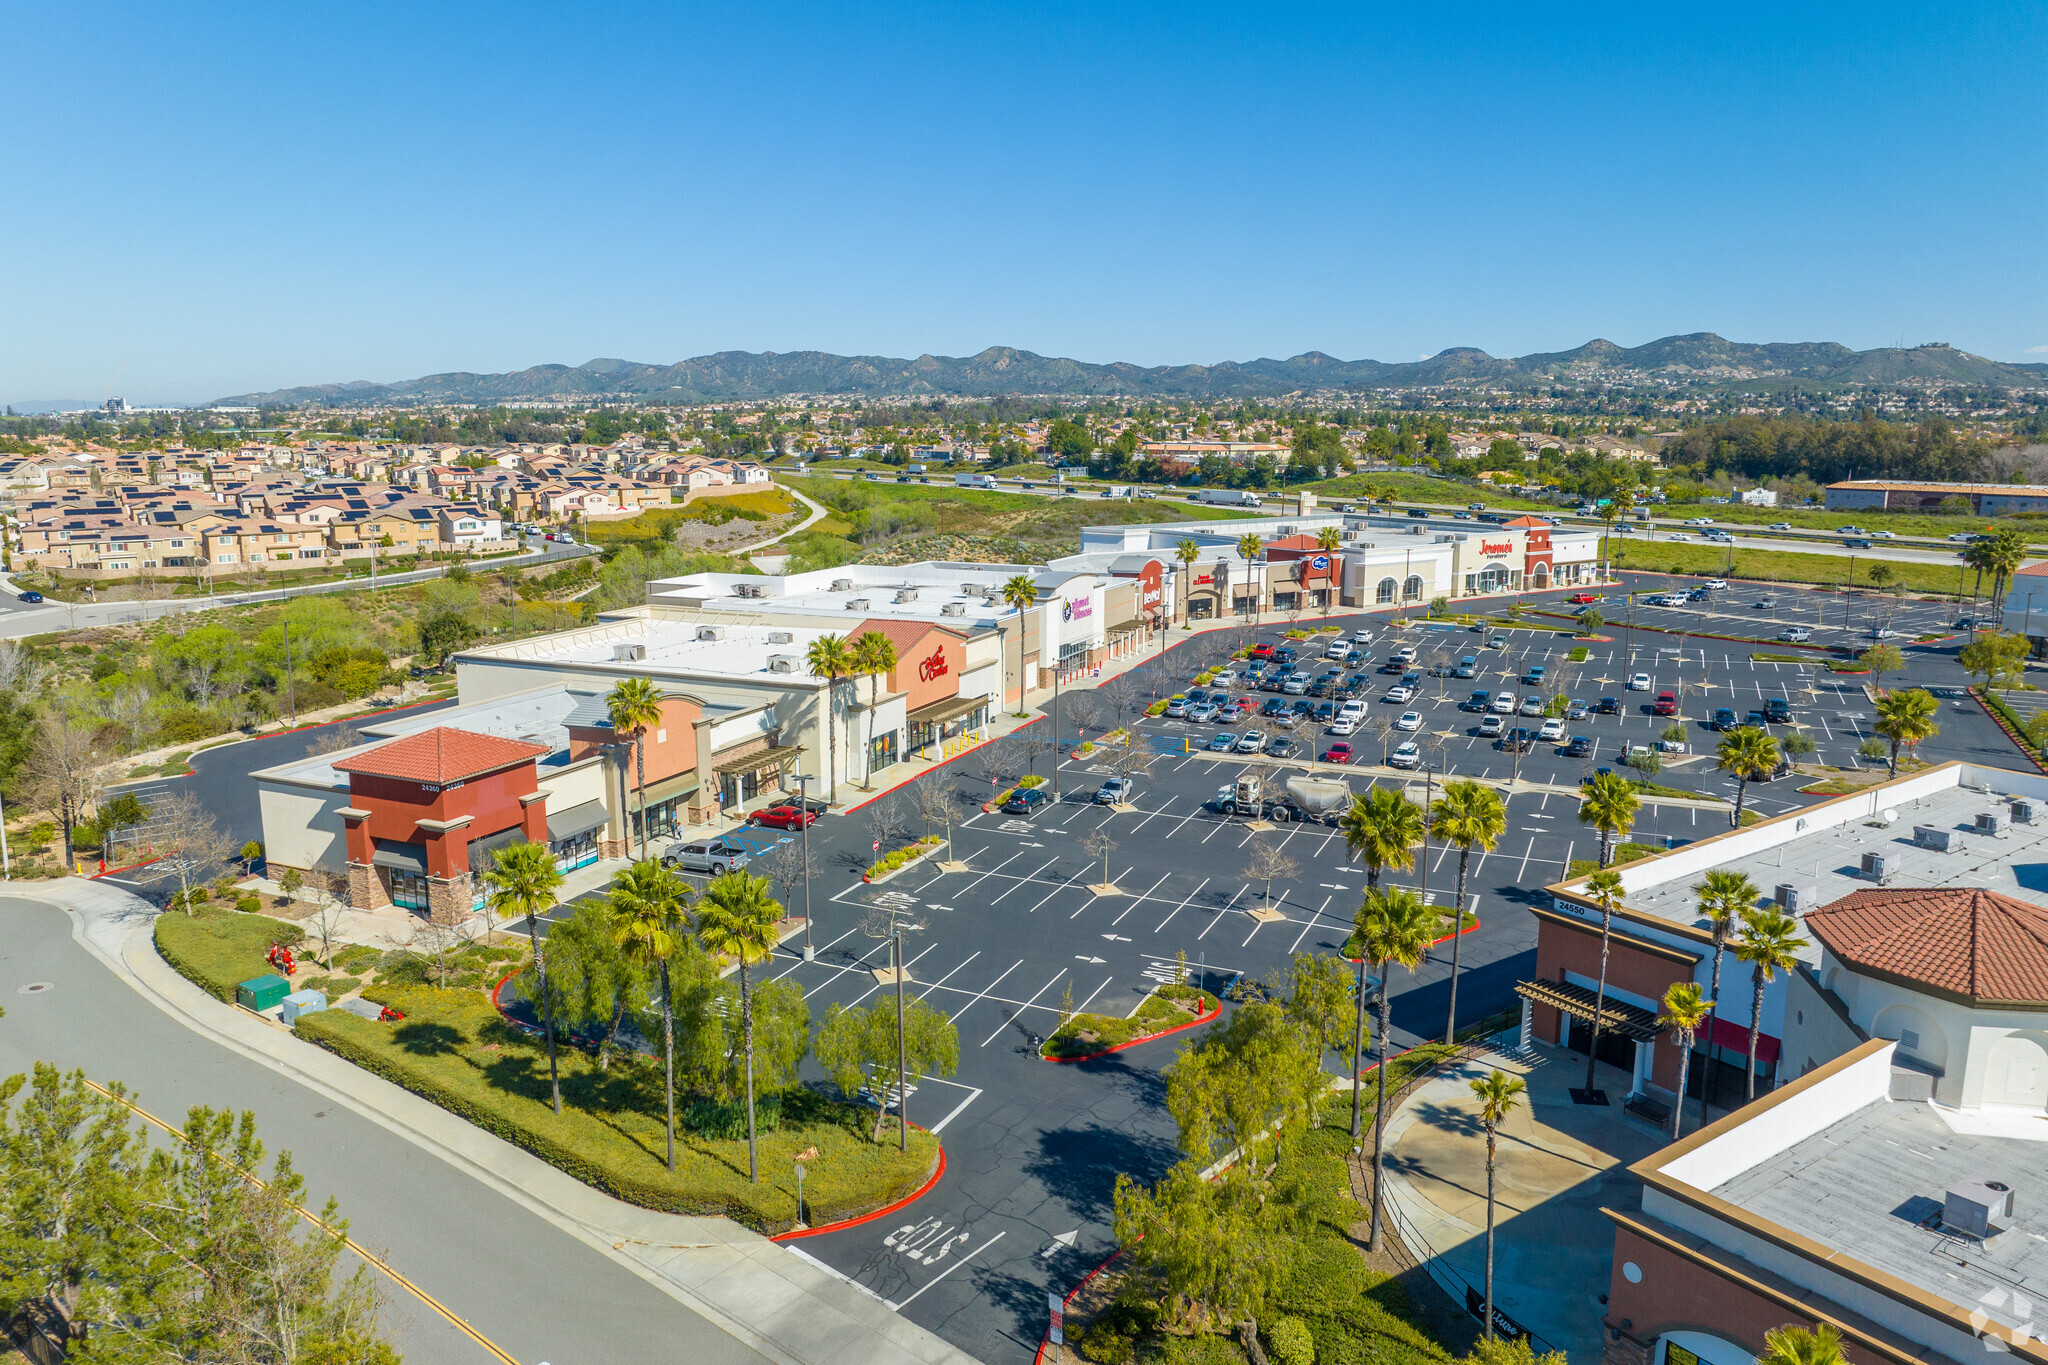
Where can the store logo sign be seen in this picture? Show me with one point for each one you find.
(1496, 547)
(933, 667)
(1077, 609)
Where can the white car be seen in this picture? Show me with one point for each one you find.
(1410, 720)
(1353, 707)
(1336, 649)
(1716, 584)
(1882, 633)
(1700, 521)
(1224, 678)
(1532, 706)
(1503, 705)
(1491, 726)
(1639, 682)
(1400, 692)
(1343, 725)
(1407, 756)
(1680, 535)
(1962, 536)
(1795, 634)
(1552, 729)
(1406, 654)
(1884, 535)
(1251, 741)
(1362, 636)
(1784, 526)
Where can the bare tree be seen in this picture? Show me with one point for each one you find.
(189, 843)
(884, 824)
(63, 769)
(437, 942)
(1266, 861)
(130, 709)
(20, 674)
(995, 761)
(785, 867)
(337, 739)
(1132, 759)
(932, 800)
(1098, 844)
(1083, 710)
(1121, 694)
(325, 926)
(1384, 730)
(1035, 743)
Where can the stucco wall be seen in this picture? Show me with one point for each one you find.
(300, 827)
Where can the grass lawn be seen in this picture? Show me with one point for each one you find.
(1168, 1007)
(1899, 523)
(1623, 853)
(454, 1049)
(1780, 566)
(219, 949)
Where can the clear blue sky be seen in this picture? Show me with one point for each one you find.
(212, 198)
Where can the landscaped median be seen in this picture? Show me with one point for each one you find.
(1168, 1009)
(995, 802)
(217, 950)
(889, 864)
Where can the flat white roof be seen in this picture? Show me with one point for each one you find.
(693, 648)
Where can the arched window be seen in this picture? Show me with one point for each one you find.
(1414, 588)
(1386, 590)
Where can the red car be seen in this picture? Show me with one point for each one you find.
(1580, 599)
(1666, 704)
(1262, 651)
(1337, 753)
(785, 817)
(1247, 705)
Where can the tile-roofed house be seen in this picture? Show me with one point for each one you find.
(1971, 945)
(441, 755)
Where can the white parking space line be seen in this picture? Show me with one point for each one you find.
(878, 985)
(991, 872)
(983, 993)
(898, 1307)
(1313, 920)
(1148, 819)
(1161, 926)
(1033, 875)
(1221, 913)
(1092, 898)
(1021, 1008)
(974, 1093)
(1082, 1008)
(949, 975)
(800, 957)
(1142, 898)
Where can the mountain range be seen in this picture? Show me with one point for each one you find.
(1700, 357)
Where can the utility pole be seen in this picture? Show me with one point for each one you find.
(803, 787)
(1057, 664)
(290, 687)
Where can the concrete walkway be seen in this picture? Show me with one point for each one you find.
(818, 513)
(1558, 1165)
(782, 1305)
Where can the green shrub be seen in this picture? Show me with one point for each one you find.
(248, 905)
(356, 957)
(1290, 1343)
(1033, 780)
(1327, 1277)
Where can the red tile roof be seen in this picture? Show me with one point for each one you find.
(1527, 521)
(1971, 945)
(441, 755)
(905, 635)
(1293, 543)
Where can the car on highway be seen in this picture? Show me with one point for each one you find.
(1578, 747)
(1115, 792)
(1724, 719)
(1849, 530)
(1491, 726)
(1777, 711)
(1410, 720)
(1532, 706)
(1224, 743)
(1609, 706)
(1400, 693)
(706, 855)
(1407, 755)
(1552, 729)
(1700, 521)
(784, 817)
(1963, 537)
(1462, 516)
(1679, 535)
(1781, 526)
(1503, 704)
(1251, 741)
(1795, 634)
(1339, 752)
(1856, 544)
(1884, 535)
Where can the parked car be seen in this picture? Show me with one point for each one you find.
(1251, 741)
(1517, 741)
(1581, 599)
(1339, 752)
(1400, 692)
(1491, 726)
(1609, 706)
(784, 817)
(706, 855)
(31, 596)
(1578, 747)
(1714, 585)
(1325, 712)
(1665, 705)
(1405, 654)
(1476, 702)
(1287, 720)
(1777, 711)
(1881, 633)
(1497, 642)
(1724, 719)
(1531, 706)
(1795, 634)
(1025, 800)
(1342, 725)
(1766, 603)
(1116, 791)
(1296, 684)
(1226, 677)
(1280, 746)
(1273, 707)
(1503, 704)
(1224, 743)
(1202, 714)
(1406, 756)
(1353, 707)
(1552, 729)
(1578, 710)
(1410, 720)
(1468, 667)
(1639, 682)
(1534, 677)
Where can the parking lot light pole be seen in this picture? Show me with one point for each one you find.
(804, 818)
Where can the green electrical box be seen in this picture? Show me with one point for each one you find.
(262, 993)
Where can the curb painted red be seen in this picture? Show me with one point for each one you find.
(1046, 1340)
(1445, 939)
(2006, 726)
(108, 872)
(936, 766)
(1200, 1019)
(799, 1233)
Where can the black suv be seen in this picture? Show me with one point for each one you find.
(1579, 747)
(1778, 711)
(1518, 740)
(1724, 719)
(1609, 706)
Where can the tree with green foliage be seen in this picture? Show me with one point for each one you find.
(1393, 926)
(875, 655)
(1499, 1095)
(1725, 898)
(1187, 552)
(1249, 1083)
(1882, 658)
(633, 707)
(1748, 753)
(1793, 1345)
(829, 657)
(1381, 828)
(1224, 1245)
(1315, 992)
(1605, 890)
(856, 1043)
(647, 909)
(1906, 720)
(736, 919)
(1686, 1007)
(444, 632)
(593, 985)
(523, 881)
(1471, 816)
(1769, 943)
(1996, 657)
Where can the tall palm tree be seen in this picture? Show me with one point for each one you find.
(1393, 926)
(1250, 546)
(647, 904)
(1791, 1345)
(1187, 552)
(1020, 592)
(1749, 753)
(1609, 804)
(2007, 550)
(1605, 888)
(829, 658)
(736, 918)
(1685, 1009)
(1329, 538)
(1725, 897)
(1470, 816)
(1906, 718)
(523, 880)
(634, 705)
(873, 654)
(1767, 943)
(1381, 829)
(1499, 1095)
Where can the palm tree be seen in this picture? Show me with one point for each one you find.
(1020, 592)
(1381, 829)
(1329, 538)
(1749, 753)
(634, 705)
(1605, 888)
(1393, 925)
(523, 880)
(1790, 1345)
(1767, 943)
(1499, 1094)
(1187, 552)
(1724, 897)
(830, 659)
(1906, 718)
(1609, 804)
(1250, 547)
(873, 654)
(1470, 816)
(647, 904)
(2004, 553)
(1685, 1009)
(736, 918)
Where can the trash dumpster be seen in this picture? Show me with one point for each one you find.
(262, 993)
(303, 1002)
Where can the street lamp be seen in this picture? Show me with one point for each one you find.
(803, 787)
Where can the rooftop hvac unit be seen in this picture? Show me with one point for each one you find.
(953, 609)
(2022, 811)
(856, 604)
(842, 585)
(1992, 822)
(905, 595)
(1286, 531)
(629, 653)
(783, 663)
(750, 589)
(1881, 867)
(1977, 1208)
(973, 589)
(711, 632)
(1796, 898)
(1939, 839)
(780, 637)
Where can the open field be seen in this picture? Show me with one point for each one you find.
(1787, 566)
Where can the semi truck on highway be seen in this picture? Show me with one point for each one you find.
(1228, 497)
(974, 480)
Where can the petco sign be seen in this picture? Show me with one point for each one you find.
(932, 667)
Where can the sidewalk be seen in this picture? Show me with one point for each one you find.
(781, 1304)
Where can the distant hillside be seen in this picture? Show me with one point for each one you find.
(1005, 370)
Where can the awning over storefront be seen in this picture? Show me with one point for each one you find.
(757, 760)
(940, 712)
(1615, 1017)
(682, 784)
(576, 820)
(394, 856)
(481, 850)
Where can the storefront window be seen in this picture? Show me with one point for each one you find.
(408, 890)
(882, 752)
(575, 852)
(1286, 601)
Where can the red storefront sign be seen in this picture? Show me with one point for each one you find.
(1496, 547)
(932, 667)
